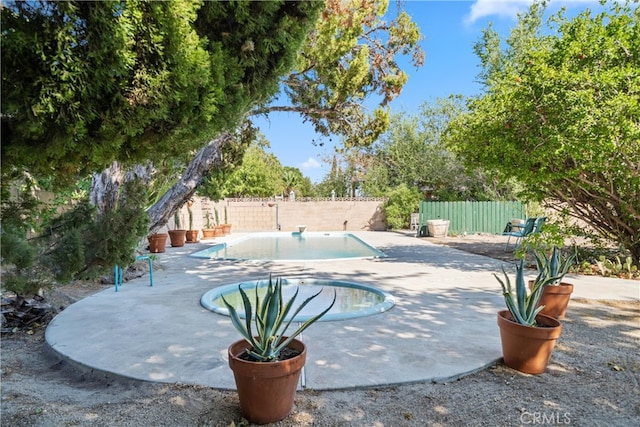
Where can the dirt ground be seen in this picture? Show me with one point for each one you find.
(593, 379)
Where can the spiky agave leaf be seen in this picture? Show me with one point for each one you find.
(269, 316)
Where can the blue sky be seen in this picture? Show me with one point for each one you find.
(450, 29)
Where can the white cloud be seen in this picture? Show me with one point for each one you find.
(311, 163)
(511, 8)
(502, 8)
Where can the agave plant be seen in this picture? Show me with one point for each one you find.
(523, 306)
(555, 266)
(270, 319)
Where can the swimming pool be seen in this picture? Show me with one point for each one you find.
(316, 246)
(352, 299)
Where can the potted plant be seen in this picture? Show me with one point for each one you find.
(556, 293)
(527, 337)
(178, 235)
(192, 235)
(208, 232)
(218, 230)
(157, 242)
(266, 363)
(226, 227)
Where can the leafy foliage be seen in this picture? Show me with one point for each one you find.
(271, 320)
(560, 114)
(412, 152)
(347, 62)
(260, 175)
(75, 244)
(86, 83)
(402, 202)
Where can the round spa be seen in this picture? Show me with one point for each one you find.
(352, 299)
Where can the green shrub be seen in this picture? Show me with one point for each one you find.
(403, 201)
(75, 244)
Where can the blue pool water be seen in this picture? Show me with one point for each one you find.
(352, 299)
(292, 247)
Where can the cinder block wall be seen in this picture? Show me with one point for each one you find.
(264, 214)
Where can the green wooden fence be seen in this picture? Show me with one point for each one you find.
(471, 217)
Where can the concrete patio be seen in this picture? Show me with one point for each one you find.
(443, 325)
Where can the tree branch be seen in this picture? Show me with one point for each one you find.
(207, 158)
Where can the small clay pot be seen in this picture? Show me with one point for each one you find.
(555, 299)
(177, 237)
(157, 242)
(527, 348)
(192, 236)
(266, 390)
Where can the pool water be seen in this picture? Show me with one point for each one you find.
(292, 247)
(352, 299)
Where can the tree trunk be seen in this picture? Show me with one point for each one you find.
(180, 193)
(105, 186)
(105, 193)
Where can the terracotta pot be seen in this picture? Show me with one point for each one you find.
(226, 228)
(218, 230)
(266, 389)
(192, 236)
(526, 348)
(177, 237)
(208, 233)
(555, 299)
(157, 242)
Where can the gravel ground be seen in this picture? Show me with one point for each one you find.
(593, 379)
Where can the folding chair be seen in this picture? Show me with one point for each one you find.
(538, 225)
(519, 234)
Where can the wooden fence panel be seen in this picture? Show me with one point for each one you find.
(472, 217)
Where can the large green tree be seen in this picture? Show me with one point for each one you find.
(260, 175)
(349, 59)
(347, 71)
(412, 153)
(561, 114)
(87, 83)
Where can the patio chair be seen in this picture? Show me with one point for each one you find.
(538, 225)
(415, 221)
(520, 232)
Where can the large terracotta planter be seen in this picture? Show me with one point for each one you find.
(192, 236)
(177, 237)
(157, 242)
(266, 390)
(226, 228)
(526, 348)
(555, 299)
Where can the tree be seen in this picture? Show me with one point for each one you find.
(349, 58)
(88, 83)
(560, 114)
(259, 176)
(412, 153)
(335, 183)
(402, 202)
(295, 181)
